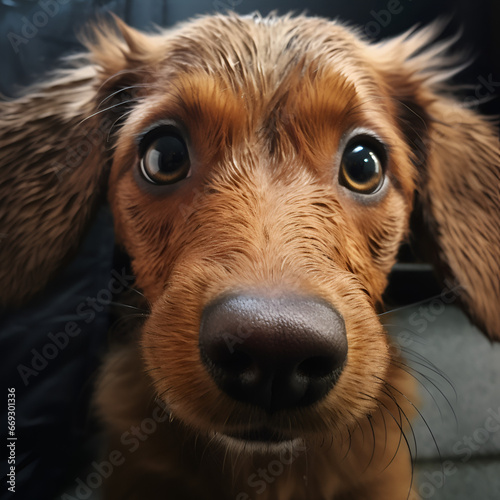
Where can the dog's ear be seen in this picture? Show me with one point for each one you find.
(460, 209)
(456, 154)
(56, 141)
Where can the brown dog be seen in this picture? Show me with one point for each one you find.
(261, 174)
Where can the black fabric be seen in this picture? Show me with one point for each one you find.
(53, 379)
(52, 411)
(51, 364)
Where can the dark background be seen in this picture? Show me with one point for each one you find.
(54, 423)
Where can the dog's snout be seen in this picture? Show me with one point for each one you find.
(275, 352)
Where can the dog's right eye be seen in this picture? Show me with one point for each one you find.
(164, 158)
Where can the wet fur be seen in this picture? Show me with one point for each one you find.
(267, 103)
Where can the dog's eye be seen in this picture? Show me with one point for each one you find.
(361, 168)
(165, 158)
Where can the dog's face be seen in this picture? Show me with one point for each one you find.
(265, 171)
(261, 161)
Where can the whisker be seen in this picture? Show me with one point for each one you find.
(405, 328)
(129, 306)
(106, 109)
(402, 413)
(409, 306)
(421, 416)
(122, 72)
(410, 371)
(402, 436)
(119, 91)
(350, 442)
(120, 118)
(400, 427)
(426, 363)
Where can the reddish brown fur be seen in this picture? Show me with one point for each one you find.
(266, 104)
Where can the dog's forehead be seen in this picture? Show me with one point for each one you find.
(261, 51)
(257, 74)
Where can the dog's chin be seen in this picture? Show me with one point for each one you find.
(262, 440)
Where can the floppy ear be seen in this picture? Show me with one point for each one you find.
(460, 196)
(56, 143)
(456, 153)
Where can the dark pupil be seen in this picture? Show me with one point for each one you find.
(360, 164)
(169, 154)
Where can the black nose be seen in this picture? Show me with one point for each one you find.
(273, 352)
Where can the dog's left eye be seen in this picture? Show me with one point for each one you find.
(361, 168)
(165, 158)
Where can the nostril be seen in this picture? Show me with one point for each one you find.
(236, 362)
(228, 363)
(317, 367)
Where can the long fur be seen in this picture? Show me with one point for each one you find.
(267, 103)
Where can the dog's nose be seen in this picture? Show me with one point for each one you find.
(275, 352)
